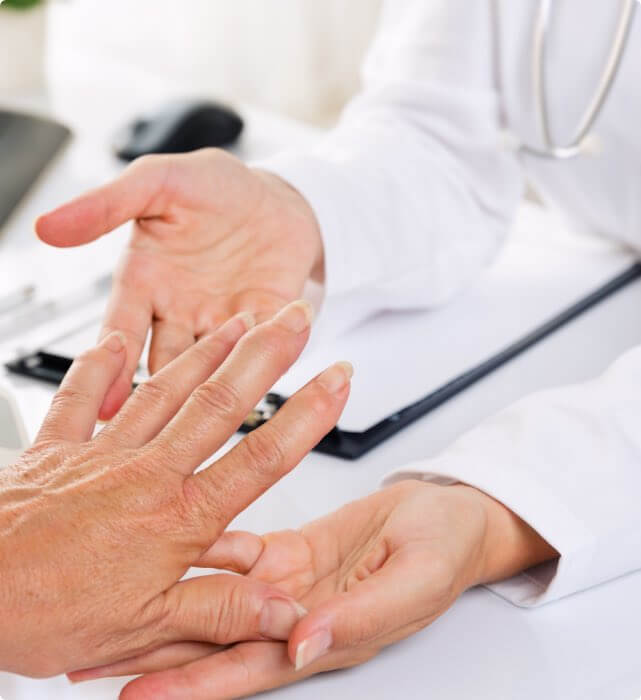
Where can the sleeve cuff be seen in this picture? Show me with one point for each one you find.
(318, 181)
(536, 506)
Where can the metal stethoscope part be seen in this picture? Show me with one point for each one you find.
(579, 142)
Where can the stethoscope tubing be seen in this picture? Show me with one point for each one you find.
(577, 145)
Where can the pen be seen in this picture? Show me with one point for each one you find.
(16, 299)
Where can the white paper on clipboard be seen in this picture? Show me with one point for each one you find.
(401, 357)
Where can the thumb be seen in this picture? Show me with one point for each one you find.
(397, 600)
(133, 195)
(224, 609)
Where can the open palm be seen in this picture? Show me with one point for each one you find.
(210, 238)
(369, 574)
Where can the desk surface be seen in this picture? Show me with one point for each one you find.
(583, 647)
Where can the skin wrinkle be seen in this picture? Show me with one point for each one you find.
(125, 527)
(144, 164)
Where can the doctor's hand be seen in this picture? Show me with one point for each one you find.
(211, 238)
(370, 574)
(96, 534)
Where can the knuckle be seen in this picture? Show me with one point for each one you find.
(157, 392)
(43, 447)
(219, 397)
(264, 452)
(238, 614)
(207, 501)
(69, 395)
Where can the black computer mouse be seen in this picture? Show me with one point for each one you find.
(179, 127)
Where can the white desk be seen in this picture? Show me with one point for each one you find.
(583, 647)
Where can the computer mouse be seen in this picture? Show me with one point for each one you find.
(179, 127)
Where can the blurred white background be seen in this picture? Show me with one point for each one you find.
(298, 57)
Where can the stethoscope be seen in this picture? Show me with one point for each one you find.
(580, 141)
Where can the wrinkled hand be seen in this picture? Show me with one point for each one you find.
(370, 574)
(95, 534)
(211, 238)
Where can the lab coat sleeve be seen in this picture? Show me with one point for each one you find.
(568, 462)
(413, 190)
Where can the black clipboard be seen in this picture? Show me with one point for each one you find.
(352, 445)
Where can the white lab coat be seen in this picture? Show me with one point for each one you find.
(415, 192)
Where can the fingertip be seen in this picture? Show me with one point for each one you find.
(304, 652)
(71, 224)
(50, 229)
(315, 634)
(337, 377)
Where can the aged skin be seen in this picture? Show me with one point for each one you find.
(96, 533)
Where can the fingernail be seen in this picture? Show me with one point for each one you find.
(336, 377)
(312, 648)
(115, 341)
(296, 317)
(279, 616)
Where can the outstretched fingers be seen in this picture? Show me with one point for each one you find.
(154, 403)
(217, 407)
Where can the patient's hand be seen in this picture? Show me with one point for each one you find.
(370, 574)
(211, 238)
(95, 534)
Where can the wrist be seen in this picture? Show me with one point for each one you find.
(508, 544)
(308, 227)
